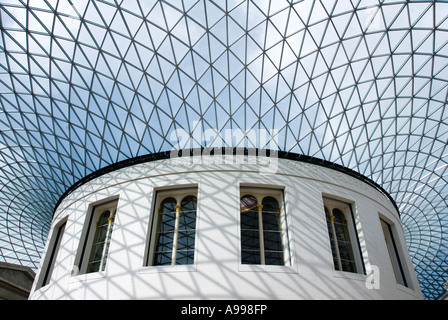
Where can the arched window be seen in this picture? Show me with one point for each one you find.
(394, 253)
(272, 232)
(165, 232)
(175, 231)
(187, 231)
(101, 241)
(50, 260)
(250, 231)
(342, 243)
(261, 231)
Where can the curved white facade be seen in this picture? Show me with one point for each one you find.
(215, 269)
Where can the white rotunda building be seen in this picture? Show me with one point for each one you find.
(220, 225)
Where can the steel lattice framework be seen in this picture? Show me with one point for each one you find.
(88, 83)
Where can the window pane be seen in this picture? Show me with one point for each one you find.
(250, 257)
(187, 221)
(274, 258)
(58, 233)
(189, 204)
(185, 257)
(271, 221)
(348, 265)
(247, 203)
(168, 222)
(165, 241)
(344, 243)
(393, 253)
(270, 204)
(103, 220)
(94, 266)
(249, 220)
(168, 206)
(101, 242)
(339, 216)
(187, 231)
(271, 214)
(250, 233)
(162, 258)
(187, 215)
(332, 241)
(101, 233)
(97, 252)
(168, 214)
(185, 240)
(272, 235)
(272, 240)
(347, 258)
(250, 240)
(165, 232)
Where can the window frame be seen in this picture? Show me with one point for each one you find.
(260, 193)
(394, 252)
(50, 260)
(179, 194)
(95, 212)
(347, 208)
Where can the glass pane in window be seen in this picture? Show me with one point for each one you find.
(393, 253)
(344, 243)
(185, 257)
(168, 205)
(94, 266)
(49, 270)
(167, 222)
(187, 215)
(187, 221)
(165, 242)
(100, 245)
(162, 258)
(271, 221)
(272, 240)
(97, 252)
(165, 232)
(348, 265)
(247, 203)
(332, 240)
(168, 214)
(104, 219)
(187, 232)
(185, 240)
(250, 240)
(271, 214)
(272, 235)
(274, 258)
(250, 233)
(249, 220)
(189, 204)
(250, 257)
(270, 204)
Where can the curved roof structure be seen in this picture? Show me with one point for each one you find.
(361, 83)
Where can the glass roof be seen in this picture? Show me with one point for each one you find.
(87, 83)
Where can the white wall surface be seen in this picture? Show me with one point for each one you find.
(217, 272)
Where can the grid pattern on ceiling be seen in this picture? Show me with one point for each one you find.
(85, 84)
